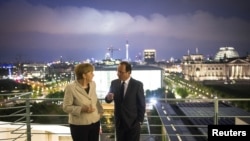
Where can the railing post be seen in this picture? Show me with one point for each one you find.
(28, 128)
(216, 107)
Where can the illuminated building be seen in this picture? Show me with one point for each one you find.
(149, 55)
(229, 69)
(104, 76)
(226, 52)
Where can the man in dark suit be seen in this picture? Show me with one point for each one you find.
(129, 104)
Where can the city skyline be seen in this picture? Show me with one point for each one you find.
(45, 30)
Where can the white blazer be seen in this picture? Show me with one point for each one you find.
(75, 97)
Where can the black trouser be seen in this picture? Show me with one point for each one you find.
(128, 134)
(85, 132)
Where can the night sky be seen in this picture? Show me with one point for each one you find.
(45, 30)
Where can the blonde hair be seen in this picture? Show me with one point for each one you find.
(81, 69)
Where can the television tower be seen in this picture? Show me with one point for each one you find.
(127, 56)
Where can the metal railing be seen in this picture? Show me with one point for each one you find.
(168, 119)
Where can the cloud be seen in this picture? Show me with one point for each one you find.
(200, 25)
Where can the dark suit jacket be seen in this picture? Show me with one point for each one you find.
(132, 109)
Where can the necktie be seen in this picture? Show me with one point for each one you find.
(122, 90)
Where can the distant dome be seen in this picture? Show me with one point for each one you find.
(226, 52)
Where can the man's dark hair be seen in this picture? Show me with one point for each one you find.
(128, 66)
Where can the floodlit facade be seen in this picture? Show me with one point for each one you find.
(149, 55)
(151, 77)
(229, 69)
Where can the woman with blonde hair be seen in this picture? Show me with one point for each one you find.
(82, 105)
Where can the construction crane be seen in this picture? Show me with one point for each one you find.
(112, 49)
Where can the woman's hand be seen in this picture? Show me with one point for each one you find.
(87, 109)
